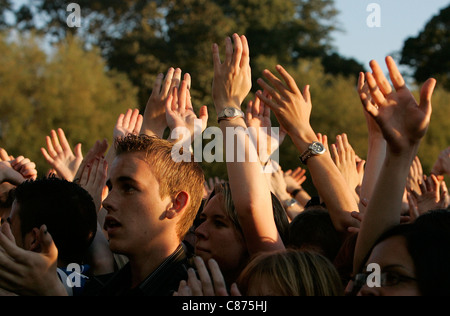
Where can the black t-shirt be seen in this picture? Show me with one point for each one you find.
(162, 282)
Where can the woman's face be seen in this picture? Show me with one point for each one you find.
(218, 238)
(394, 259)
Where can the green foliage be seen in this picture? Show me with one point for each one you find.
(438, 135)
(139, 39)
(68, 89)
(428, 53)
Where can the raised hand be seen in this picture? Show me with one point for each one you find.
(291, 107)
(232, 78)
(4, 155)
(258, 117)
(154, 122)
(128, 123)
(16, 170)
(432, 195)
(294, 179)
(415, 176)
(93, 180)
(205, 286)
(442, 164)
(180, 112)
(60, 156)
(25, 167)
(345, 159)
(401, 119)
(96, 152)
(26, 272)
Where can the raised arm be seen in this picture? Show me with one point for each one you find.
(180, 112)
(403, 123)
(154, 122)
(249, 188)
(293, 110)
(376, 146)
(60, 156)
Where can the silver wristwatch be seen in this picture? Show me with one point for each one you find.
(315, 149)
(229, 114)
(289, 203)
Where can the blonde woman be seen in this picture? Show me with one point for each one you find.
(290, 273)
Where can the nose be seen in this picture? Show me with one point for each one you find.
(201, 232)
(108, 203)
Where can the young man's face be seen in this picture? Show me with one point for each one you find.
(135, 221)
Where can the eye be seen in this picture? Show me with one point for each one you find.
(390, 278)
(128, 188)
(219, 224)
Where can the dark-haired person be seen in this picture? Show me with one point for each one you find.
(68, 213)
(381, 240)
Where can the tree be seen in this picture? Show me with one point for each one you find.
(68, 88)
(143, 38)
(428, 53)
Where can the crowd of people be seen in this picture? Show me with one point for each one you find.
(135, 221)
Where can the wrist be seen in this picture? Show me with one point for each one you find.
(222, 104)
(302, 139)
(295, 192)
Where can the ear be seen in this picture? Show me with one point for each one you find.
(33, 241)
(178, 205)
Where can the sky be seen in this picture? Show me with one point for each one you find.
(399, 20)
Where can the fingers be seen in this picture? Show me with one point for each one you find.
(78, 152)
(280, 89)
(166, 88)
(63, 140)
(9, 247)
(426, 94)
(238, 50)
(291, 84)
(228, 51)
(158, 83)
(375, 91)
(51, 150)
(204, 116)
(205, 279)
(245, 59)
(382, 82)
(219, 282)
(55, 142)
(182, 95)
(396, 77)
(216, 57)
(4, 155)
(176, 80)
(48, 247)
(129, 123)
(204, 286)
(444, 194)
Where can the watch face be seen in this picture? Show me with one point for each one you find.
(229, 112)
(317, 148)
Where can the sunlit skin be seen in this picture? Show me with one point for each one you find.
(137, 221)
(218, 238)
(392, 255)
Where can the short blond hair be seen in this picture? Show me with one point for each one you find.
(173, 177)
(292, 273)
